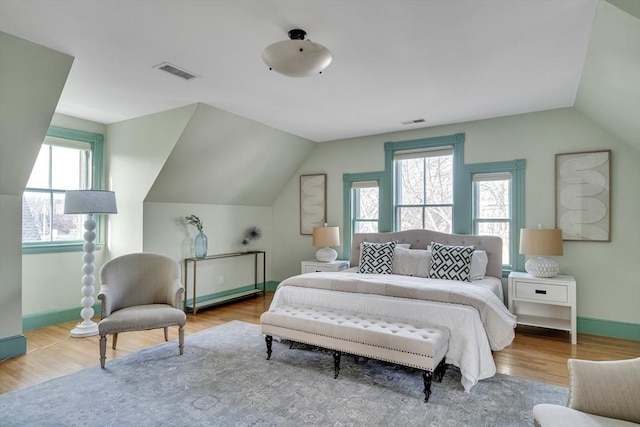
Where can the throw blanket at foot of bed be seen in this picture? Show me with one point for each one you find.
(415, 345)
(476, 328)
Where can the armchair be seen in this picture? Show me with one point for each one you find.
(600, 394)
(140, 291)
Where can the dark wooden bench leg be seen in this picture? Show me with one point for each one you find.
(440, 370)
(269, 341)
(426, 377)
(336, 362)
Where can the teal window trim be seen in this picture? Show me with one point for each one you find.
(348, 179)
(96, 140)
(461, 194)
(517, 170)
(462, 191)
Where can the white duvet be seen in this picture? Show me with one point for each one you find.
(477, 319)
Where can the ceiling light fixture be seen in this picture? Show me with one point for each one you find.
(297, 57)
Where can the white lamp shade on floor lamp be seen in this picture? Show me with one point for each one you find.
(88, 202)
(326, 237)
(541, 242)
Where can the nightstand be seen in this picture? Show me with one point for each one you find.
(313, 266)
(547, 302)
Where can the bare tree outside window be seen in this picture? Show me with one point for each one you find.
(493, 209)
(366, 202)
(424, 192)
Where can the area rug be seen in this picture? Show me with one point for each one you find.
(224, 379)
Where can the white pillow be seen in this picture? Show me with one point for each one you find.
(404, 245)
(479, 262)
(411, 262)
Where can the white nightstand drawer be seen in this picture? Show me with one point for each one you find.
(542, 292)
(317, 266)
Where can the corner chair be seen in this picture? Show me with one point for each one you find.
(140, 291)
(600, 394)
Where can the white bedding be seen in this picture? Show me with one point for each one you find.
(475, 331)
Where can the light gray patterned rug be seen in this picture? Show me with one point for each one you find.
(224, 379)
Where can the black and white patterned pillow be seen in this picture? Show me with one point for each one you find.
(450, 262)
(376, 258)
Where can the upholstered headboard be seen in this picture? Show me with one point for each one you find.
(420, 239)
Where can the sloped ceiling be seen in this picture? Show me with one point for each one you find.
(222, 158)
(31, 80)
(609, 91)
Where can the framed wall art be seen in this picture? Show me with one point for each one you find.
(583, 195)
(313, 202)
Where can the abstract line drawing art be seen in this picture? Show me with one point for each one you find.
(313, 202)
(583, 195)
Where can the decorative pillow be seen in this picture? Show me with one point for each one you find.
(411, 262)
(450, 262)
(479, 262)
(376, 258)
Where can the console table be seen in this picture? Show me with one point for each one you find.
(195, 305)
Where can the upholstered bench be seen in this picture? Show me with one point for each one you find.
(418, 346)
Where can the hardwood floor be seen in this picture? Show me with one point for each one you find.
(536, 354)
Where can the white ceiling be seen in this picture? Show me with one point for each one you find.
(444, 61)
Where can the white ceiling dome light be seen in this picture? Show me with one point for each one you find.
(297, 57)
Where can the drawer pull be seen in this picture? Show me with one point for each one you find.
(540, 291)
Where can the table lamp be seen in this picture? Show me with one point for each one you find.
(540, 242)
(326, 237)
(88, 202)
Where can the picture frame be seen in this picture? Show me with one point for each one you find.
(583, 195)
(313, 202)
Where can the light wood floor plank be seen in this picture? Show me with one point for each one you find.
(537, 354)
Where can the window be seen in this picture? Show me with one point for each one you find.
(492, 208)
(366, 202)
(424, 190)
(68, 160)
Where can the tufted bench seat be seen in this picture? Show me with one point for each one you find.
(418, 346)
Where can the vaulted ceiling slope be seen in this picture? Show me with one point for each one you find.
(225, 159)
(31, 80)
(609, 92)
(394, 61)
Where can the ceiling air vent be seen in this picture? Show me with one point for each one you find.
(176, 71)
(413, 122)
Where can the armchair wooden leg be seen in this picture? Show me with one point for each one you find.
(103, 350)
(166, 333)
(180, 339)
(115, 341)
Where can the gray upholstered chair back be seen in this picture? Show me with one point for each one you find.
(140, 279)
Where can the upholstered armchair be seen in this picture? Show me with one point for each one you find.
(600, 394)
(140, 291)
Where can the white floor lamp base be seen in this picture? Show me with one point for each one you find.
(85, 330)
(87, 327)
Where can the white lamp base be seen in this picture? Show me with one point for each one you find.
(542, 267)
(326, 254)
(85, 330)
(87, 327)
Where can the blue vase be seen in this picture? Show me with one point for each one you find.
(201, 245)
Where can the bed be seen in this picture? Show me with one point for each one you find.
(462, 291)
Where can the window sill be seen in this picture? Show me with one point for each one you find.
(46, 248)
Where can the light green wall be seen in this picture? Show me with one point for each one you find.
(31, 80)
(135, 152)
(608, 274)
(609, 92)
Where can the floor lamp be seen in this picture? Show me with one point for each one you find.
(89, 202)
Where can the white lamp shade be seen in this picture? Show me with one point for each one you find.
(297, 58)
(89, 201)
